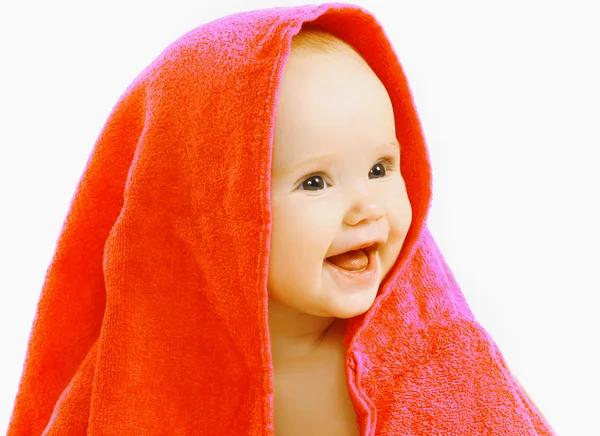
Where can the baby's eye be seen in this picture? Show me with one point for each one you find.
(379, 170)
(312, 183)
(382, 167)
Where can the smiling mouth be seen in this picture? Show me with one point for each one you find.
(364, 276)
(353, 260)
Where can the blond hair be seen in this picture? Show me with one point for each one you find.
(311, 37)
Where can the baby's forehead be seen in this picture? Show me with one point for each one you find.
(305, 154)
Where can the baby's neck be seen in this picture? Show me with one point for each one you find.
(295, 338)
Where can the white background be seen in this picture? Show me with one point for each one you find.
(508, 95)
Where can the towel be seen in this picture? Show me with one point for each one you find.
(153, 314)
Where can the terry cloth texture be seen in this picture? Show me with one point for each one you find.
(153, 314)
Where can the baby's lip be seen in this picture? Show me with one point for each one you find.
(368, 246)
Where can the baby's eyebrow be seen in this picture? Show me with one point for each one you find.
(328, 158)
(394, 142)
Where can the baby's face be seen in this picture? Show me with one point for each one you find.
(335, 180)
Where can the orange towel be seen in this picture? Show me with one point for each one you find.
(153, 314)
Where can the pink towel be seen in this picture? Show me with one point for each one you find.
(153, 315)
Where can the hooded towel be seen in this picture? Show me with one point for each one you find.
(153, 314)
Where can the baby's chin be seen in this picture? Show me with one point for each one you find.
(347, 302)
(348, 305)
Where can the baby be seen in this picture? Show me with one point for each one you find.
(340, 215)
(247, 254)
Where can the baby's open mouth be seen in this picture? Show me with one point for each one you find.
(353, 260)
